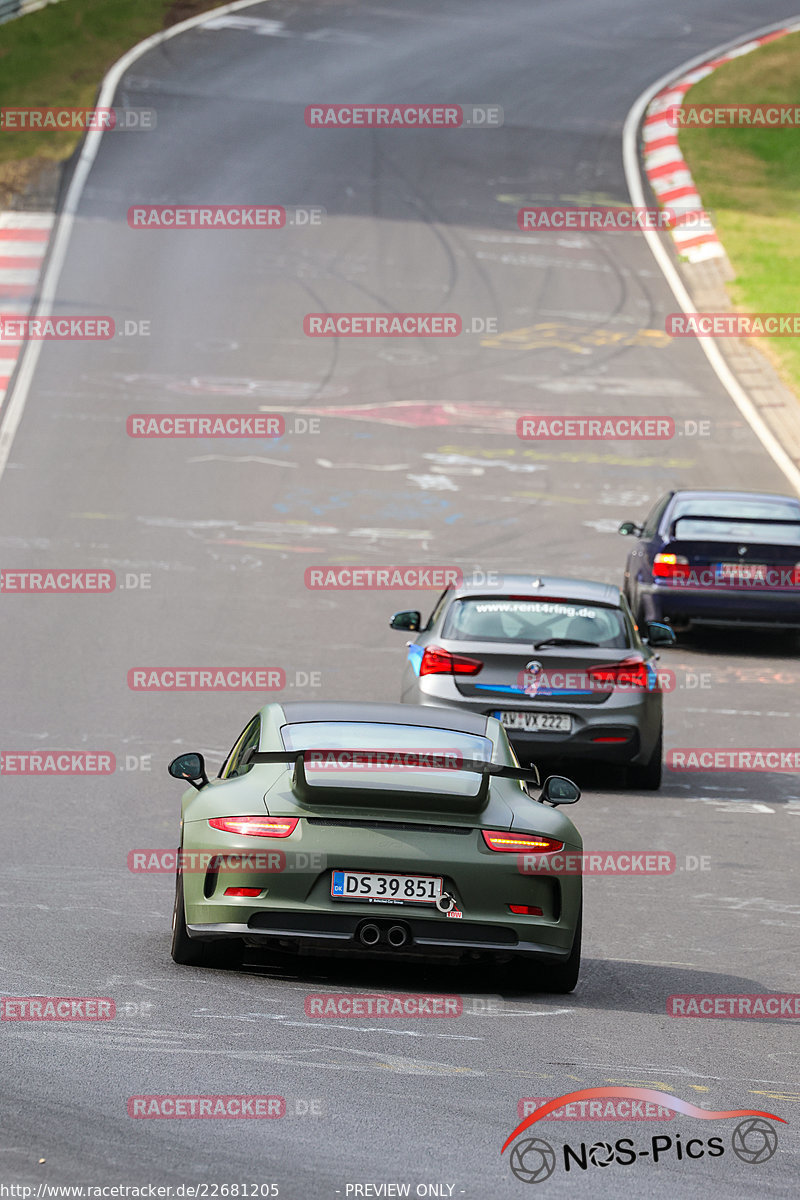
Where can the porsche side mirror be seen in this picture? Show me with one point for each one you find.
(659, 634)
(410, 621)
(559, 790)
(629, 529)
(191, 767)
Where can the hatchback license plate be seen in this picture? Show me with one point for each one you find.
(537, 722)
(374, 885)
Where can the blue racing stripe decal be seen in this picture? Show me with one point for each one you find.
(415, 654)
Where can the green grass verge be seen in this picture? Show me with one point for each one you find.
(58, 55)
(749, 180)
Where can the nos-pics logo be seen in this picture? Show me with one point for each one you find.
(533, 1159)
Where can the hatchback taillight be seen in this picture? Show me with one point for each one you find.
(628, 675)
(276, 827)
(436, 661)
(670, 566)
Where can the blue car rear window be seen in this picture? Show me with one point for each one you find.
(728, 529)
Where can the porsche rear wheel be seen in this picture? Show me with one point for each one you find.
(564, 977)
(191, 953)
(561, 978)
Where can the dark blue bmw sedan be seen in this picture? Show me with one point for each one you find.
(722, 558)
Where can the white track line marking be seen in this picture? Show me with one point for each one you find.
(66, 217)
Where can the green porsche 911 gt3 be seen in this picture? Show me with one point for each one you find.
(377, 830)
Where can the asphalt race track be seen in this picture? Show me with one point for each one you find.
(415, 461)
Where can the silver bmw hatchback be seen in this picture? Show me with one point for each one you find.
(560, 662)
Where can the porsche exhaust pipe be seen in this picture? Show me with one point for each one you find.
(369, 935)
(397, 936)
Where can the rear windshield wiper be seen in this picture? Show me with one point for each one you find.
(563, 642)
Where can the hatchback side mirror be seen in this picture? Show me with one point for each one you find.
(629, 529)
(410, 621)
(560, 790)
(191, 767)
(659, 634)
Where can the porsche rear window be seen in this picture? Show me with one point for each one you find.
(352, 735)
(727, 529)
(389, 742)
(504, 619)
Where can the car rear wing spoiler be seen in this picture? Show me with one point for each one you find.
(731, 520)
(397, 797)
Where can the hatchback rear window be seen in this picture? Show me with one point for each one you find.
(504, 619)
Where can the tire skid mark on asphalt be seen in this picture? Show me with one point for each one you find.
(741, 712)
(733, 804)
(149, 1043)
(580, 457)
(241, 458)
(750, 903)
(289, 1022)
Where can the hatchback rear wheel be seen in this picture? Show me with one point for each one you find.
(646, 777)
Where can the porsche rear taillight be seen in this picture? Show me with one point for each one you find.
(436, 661)
(628, 675)
(275, 827)
(670, 566)
(520, 843)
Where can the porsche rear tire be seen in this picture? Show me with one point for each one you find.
(190, 953)
(561, 978)
(564, 977)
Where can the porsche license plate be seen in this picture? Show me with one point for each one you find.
(537, 722)
(378, 885)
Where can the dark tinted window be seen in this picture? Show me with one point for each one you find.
(653, 519)
(236, 762)
(438, 609)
